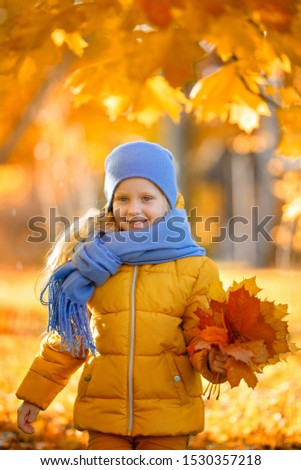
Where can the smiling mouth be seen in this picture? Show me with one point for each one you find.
(137, 223)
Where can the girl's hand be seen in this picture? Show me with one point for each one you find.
(217, 360)
(27, 413)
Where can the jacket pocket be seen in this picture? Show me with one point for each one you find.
(86, 378)
(190, 376)
(177, 378)
(187, 381)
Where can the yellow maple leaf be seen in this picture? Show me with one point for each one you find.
(246, 118)
(233, 35)
(74, 40)
(249, 284)
(156, 99)
(223, 95)
(216, 291)
(179, 68)
(116, 105)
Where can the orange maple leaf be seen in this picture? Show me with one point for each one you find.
(245, 320)
(237, 370)
(204, 318)
(214, 335)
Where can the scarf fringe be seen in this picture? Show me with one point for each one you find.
(68, 319)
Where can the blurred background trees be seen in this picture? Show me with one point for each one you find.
(217, 82)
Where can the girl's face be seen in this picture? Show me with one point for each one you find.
(137, 204)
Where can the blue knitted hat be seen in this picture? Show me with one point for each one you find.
(141, 160)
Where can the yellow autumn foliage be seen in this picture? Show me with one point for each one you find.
(143, 60)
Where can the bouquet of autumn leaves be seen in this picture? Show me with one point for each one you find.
(252, 332)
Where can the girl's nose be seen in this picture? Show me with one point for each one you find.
(134, 208)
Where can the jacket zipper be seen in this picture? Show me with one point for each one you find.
(131, 354)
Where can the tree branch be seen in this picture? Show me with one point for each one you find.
(268, 100)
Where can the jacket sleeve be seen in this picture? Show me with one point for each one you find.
(199, 298)
(49, 373)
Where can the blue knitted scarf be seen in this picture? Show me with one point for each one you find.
(71, 285)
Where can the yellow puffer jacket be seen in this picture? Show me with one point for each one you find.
(141, 382)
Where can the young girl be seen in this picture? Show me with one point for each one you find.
(122, 301)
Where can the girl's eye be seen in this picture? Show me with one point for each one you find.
(122, 199)
(147, 198)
